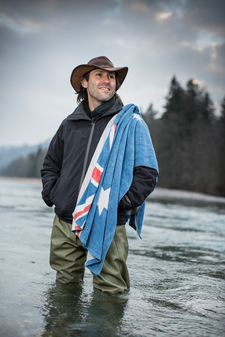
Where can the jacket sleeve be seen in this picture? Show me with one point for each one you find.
(52, 165)
(144, 181)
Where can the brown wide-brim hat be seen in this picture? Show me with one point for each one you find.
(100, 62)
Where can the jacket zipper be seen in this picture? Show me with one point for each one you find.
(86, 154)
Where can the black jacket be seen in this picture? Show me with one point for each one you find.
(69, 156)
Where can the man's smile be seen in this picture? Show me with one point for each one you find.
(104, 88)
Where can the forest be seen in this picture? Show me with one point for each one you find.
(189, 141)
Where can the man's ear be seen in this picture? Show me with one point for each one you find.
(84, 82)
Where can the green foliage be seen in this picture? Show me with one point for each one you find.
(189, 141)
(187, 105)
(175, 100)
(223, 109)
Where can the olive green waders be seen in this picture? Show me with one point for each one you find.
(68, 257)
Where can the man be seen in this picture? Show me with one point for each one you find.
(99, 167)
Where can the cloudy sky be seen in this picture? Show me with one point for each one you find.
(43, 40)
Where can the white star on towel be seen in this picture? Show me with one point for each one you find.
(138, 117)
(103, 200)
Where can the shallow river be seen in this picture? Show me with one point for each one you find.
(177, 272)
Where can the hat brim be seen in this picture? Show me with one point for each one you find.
(82, 69)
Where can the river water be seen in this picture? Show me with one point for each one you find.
(177, 272)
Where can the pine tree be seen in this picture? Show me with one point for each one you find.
(187, 147)
(207, 109)
(175, 99)
(192, 101)
(149, 115)
(221, 146)
(223, 110)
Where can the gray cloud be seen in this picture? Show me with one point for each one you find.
(206, 15)
(42, 41)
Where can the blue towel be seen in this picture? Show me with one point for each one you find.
(125, 144)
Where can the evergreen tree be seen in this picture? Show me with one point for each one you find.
(149, 115)
(223, 110)
(198, 104)
(192, 101)
(175, 99)
(207, 109)
(221, 146)
(153, 124)
(186, 141)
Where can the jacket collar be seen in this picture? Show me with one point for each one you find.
(108, 108)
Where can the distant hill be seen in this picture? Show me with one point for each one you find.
(10, 153)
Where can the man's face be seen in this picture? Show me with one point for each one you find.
(101, 87)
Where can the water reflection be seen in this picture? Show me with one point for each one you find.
(69, 311)
(176, 271)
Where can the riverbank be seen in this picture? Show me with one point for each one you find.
(159, 194)
(175, 196)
